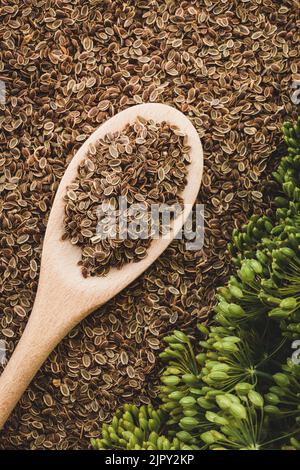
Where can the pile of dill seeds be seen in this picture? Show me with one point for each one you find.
(145, 164)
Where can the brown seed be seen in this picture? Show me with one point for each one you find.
(64, 389)
(86, 360)
(124, 357)
(130, 371)
(103, 105)
(100, 359)
(20, 311)
(48, 400)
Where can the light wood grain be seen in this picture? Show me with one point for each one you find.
(64, 296)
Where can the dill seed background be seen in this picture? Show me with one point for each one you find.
(70, 65)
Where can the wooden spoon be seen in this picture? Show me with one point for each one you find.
(64, 297)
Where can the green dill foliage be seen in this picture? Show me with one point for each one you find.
(234, 384)
(135, 428)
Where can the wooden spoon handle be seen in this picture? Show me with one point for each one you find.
(42, 333)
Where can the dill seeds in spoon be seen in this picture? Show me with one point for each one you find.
(145, 164)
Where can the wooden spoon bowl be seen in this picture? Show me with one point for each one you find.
(64, 297)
